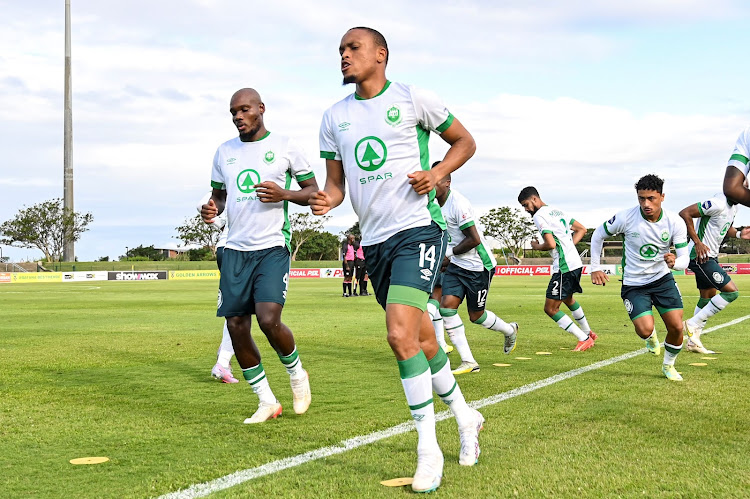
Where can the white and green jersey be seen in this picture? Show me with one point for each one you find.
(741, 153)
(565, 257)
(380, 141)
(716, 218)
(459, 215)
(238, 166)
(646, 243)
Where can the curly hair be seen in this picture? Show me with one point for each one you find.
(649, 182)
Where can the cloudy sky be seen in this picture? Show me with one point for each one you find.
(579, 98)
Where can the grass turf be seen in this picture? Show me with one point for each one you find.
(122, 370)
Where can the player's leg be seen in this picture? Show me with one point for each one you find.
(221, 370)
(553, 299)
(713, 274)
(571, 286)
(433, 305)
(637, 301)
(348, 271)
(469, 420)
(270, 290)
(667, 298)
(477, 286)
(236, 304)
(454, 326)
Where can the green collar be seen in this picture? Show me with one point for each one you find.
(387, 84)
(661, 214)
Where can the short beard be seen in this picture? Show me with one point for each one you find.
(349, 79)
(248, 137)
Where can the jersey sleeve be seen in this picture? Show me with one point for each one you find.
(298, 163)
(328, 147)
(679, 232)
(616, 224)
(542, 223)
(463, 213)
(431, 111)
(741, 153)
(217, 176)
(711, 207)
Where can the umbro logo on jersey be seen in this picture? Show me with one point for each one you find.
(269, 157)
(343, 127)
(393, 115)
(231, 161)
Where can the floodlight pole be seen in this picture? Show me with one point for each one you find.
(69, 244)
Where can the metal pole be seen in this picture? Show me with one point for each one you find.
(69, 245)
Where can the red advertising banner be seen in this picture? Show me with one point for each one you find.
(295, 273)
(4, 276)
(523, 270)
(729, 268)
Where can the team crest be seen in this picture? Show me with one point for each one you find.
(718, 278)
(269, 157)
(628, 305)
(665, 236)
(393, 115)
(725, 228)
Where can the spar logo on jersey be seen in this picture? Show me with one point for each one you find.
(370, 153)
(269, 157)
(649, 251)
(246, 180)
(665, 236)
(706, 205)
(718, 278)
(725, 228)
(393, 115)
(628, 305)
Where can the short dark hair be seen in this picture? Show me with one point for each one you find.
(379, 40)
(650, 182)
(527, 192)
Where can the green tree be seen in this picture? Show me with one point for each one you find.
(143, 253)
(509, 226)
(43, 226)
(196, 231)
(354, 229)
(320, 246)
(304, 226)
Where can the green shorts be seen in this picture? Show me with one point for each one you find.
(409, 259)
(250, 277)
(564, 285)
(709, 274)
(219, 255)
(472, 284)
(662, 293)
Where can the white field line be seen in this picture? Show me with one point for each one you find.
(238, 477)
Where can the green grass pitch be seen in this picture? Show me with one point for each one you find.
(122, 370)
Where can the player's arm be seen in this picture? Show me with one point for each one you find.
(734, 187)
(470, 241)
(215, 205)
(680, 261)
(547, 244)
(739, 232)
(688, 213)
(332, 195)
(597, 243)
(578, 231)
(271, 192)
(462, 148)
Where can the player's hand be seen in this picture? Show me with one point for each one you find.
(701, 252)
(599, 278)
(445, 263)
(320, 202)
(269, 192)
(745, 233)
(535, 244)
(670, 259)
(209, 211)
(422, 181)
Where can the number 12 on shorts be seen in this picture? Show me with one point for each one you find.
(427, 254)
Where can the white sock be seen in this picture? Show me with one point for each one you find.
(445, 385)
(293, 364)
(568, 325)
(712, 308)
(580, 318)
(256, 376)
(226, 349)
(495, 323)
(455, 327)
(670, 353)
(437, 324)
(418, 391)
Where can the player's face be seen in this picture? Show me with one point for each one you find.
(529, 206)
(650, 202)
(247, 114)
(359, 56)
